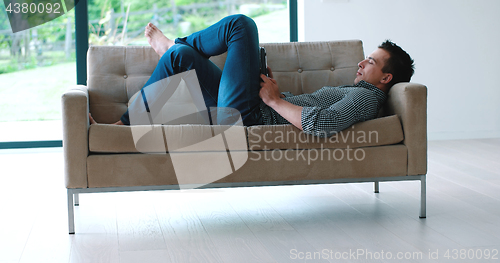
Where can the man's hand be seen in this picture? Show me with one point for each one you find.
(269, 91)
(270, 75)
(271, 96)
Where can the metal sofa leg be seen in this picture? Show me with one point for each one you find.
(71, 212)
(376, 187)
(423, 197)
(77, 199)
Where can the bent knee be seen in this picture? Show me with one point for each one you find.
(244, 20)
(177, 54)
(179, 50)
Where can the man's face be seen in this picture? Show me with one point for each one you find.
(370, 69)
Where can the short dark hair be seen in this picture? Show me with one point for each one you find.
(399, 64)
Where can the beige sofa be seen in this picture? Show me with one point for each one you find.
(105, 158)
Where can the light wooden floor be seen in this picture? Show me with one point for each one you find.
(264, 224)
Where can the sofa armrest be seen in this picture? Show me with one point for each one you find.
(75, 108)
(409, 102)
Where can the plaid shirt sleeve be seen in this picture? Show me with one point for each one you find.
(331, 109)
(357, 106)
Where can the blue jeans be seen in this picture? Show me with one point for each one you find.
(238, 85)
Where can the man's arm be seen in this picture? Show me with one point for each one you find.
(271, 96)
(359, 105)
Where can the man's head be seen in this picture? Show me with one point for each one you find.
(386, 66)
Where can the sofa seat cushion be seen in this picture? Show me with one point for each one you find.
(376, 132)
(106, 138)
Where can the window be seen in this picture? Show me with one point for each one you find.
(123, 22)
(36, 66)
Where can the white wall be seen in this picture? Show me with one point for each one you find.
(455, 45)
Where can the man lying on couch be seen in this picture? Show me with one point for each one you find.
(257, 97)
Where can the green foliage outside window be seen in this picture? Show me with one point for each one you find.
(115, 22)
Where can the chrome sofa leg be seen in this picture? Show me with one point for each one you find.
(423, 197)
(376, 187)
(77, 199)
(71, 212)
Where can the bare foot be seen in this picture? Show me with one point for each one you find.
(158, 41)
(92, 121)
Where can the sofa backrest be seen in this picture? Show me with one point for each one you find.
(303, 67)
(116, 73)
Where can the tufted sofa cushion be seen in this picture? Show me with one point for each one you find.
(116, 73)
(303, 67)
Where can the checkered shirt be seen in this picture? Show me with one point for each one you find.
(330, 110)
